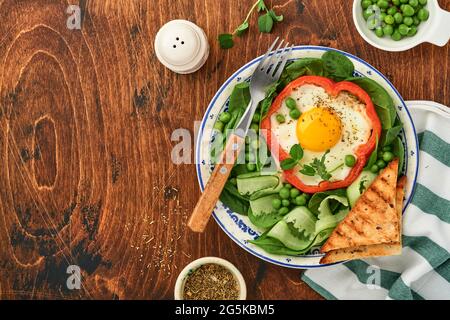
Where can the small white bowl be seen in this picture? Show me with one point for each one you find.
(435, 30)
(181, 280)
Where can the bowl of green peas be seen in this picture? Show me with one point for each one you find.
(399, 25)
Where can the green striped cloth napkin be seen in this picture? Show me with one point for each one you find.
(423, 269)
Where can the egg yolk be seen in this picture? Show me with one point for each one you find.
(319, 129)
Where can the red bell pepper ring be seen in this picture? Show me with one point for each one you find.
(362, 153)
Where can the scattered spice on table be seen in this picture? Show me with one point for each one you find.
(211, 282)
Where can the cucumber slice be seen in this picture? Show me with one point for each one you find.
(302, 220)
(248, 186)
(358, 186)
(263, 205)
(266, 192)
(324, 207)
(261, 212)
(282, 233)
(266, 220)
(330, 221)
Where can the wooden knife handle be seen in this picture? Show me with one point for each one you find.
(205, 205)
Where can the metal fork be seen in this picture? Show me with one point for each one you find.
(267, 73)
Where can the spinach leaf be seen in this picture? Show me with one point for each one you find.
(234, 200)
(373, 157)
(380, 97)
(388, 136)
(399, 152)
(337, 66)
(240, 97)
(309, 66)
(385, 117)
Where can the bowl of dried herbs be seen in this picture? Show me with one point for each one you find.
(210, 278)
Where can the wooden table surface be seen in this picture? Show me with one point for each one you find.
(86, 118)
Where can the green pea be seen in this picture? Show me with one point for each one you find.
(391, 11)
(408, 21)
(280, 118)
(300, 201)
(423, 14)
(381, 164)
(307, 196)
(412, 31)
(408, 10)
(396, 36)
(350, 160)
(374, 169)
(233, 181)
(366, 3)
(288, 185)
(248, 140)
(388, 156)
(398, 17)
(404, 1)
(290, 103)
(387, 148)
(256, 118)
(294, 114)
(414, 3)
(388, 29)
(416, 21)
(276, 203)
(283, 210)
(373, 23)
(403, 29)
(294, 193)
(225, 117)
(389, 19)
(285, 203)
(423, 2)
(251, 167)
(219, 126)
(383, 4)
(379, 32)
(284, 193)
(254, 127)
(396, 2)
(367, 13)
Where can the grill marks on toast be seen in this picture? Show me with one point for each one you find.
(374, 219)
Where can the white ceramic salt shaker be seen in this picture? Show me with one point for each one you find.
(182, 46)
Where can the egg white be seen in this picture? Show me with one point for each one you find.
(356, 129)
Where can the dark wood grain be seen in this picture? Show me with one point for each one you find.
(85, 136)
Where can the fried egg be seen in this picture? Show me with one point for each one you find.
(335, 123)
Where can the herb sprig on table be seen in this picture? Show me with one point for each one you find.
(265, 24)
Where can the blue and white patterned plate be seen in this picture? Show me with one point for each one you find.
(239, 227)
